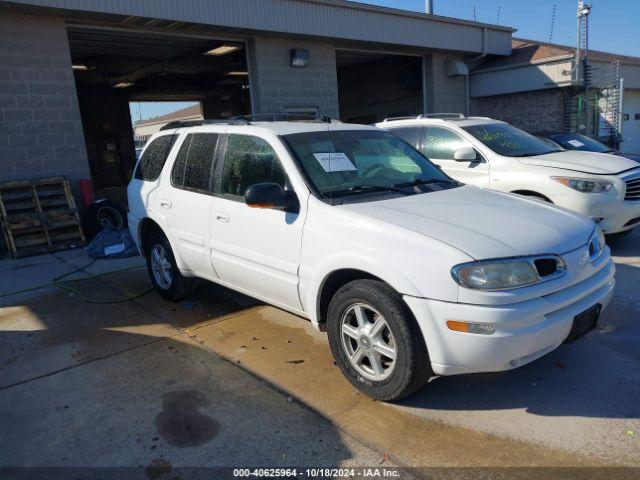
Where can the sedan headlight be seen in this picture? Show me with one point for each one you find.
(505, 274)
(585, 185)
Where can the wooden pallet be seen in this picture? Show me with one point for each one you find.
(39, 216)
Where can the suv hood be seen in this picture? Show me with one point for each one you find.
(585, 162)
(482, 223)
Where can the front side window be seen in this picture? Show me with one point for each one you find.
(154, 158)
(247, 161)
(507, 140)
(442, 143)
(194, 162)
(344, 163)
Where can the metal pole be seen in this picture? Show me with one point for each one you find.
(429, 7)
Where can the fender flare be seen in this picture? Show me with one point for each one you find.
(352, 261)
(166, 230)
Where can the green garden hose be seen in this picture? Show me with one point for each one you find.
(56, 282)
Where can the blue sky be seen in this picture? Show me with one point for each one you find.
(614, 26)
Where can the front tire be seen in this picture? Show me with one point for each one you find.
(164, 272)
(376, 341)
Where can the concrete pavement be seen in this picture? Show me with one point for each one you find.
(87, 384)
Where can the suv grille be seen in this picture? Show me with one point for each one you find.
(633, 189)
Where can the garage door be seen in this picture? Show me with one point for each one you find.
(631, 127)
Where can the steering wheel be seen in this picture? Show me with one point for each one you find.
(367, 172)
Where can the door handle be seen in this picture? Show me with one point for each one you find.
(165, 203)
(222, 217)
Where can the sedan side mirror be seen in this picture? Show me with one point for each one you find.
(465, 154)
(271, 195)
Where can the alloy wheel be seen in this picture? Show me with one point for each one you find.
(368, 342)
(161, 267)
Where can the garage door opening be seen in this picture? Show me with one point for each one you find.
(372, 86)
(114, 67)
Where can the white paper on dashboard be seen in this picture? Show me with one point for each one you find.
(576, 143)
(335, 162)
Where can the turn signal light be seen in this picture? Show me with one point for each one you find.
(466, 327)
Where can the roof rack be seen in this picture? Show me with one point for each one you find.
(284, 117)
(248, 119)
(427, 115)
(195, 123)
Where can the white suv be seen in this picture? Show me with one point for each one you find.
(493, 154)
(410, 272)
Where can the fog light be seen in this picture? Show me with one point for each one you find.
(466, 327)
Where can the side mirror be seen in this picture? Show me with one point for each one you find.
(271, 195)
(465, 154)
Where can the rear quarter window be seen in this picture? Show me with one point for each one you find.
(154, 158)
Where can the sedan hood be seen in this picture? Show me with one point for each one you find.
(584, 162)
(483, 223)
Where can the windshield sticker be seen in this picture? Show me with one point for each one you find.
(576, 143)
(335, 162)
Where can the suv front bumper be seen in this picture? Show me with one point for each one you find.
(524, 331)
(611, 213)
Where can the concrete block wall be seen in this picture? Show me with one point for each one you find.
(535, 111)
(40, 126)
(276, 85)
(447, 94)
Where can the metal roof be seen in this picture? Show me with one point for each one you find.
(332, 19)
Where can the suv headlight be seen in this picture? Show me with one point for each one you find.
(505, 274)
(585, 185)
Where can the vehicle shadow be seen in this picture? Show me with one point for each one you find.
(627, 246)
(128, 385)
(597, 376)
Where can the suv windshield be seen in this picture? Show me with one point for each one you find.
(344, 163)
(574, 141)
(507, 140)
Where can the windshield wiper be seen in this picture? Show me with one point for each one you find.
(424, 181)
(533, 154)
(367, 187)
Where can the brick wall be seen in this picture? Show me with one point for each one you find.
(40, 125)
(276, 85)
(535, 111)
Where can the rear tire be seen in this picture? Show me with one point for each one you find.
(376, 342)
(164, 272)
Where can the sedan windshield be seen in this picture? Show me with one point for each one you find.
(574, 141)
(507, 140)
(343, 163)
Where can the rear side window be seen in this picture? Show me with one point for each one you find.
(154, 157)
(411, 135)
(247, 161)
(194, 162)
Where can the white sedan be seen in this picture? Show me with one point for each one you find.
(493, 154)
